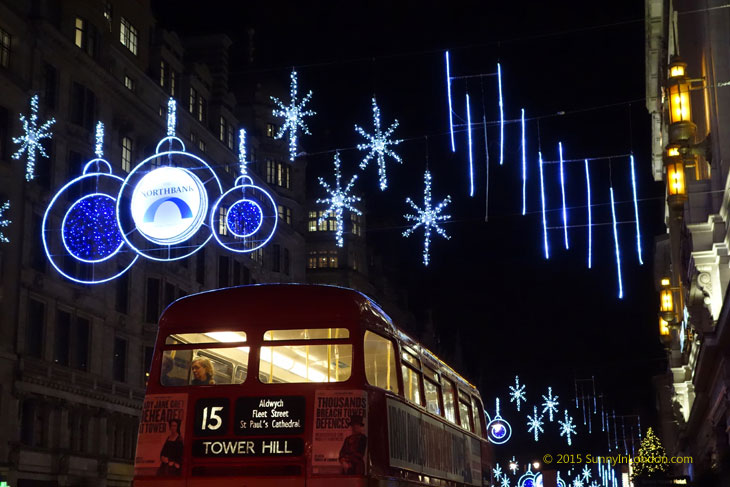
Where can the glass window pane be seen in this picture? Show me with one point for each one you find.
(209, 337)
(306, 334)
(411, 380)
(476, 412)
(464, 415)
(213, 366)
(380, 368)
(305, 363)
(411, 359)
(448, 390)
(431, 390)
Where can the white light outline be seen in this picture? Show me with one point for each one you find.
(590, 218)
(378, 145)
(428, 217)
(124, 184)
(501, 115)
(339, 200)
(243, 163)
(562, 191)
(99, 145)
(63, 232)
(517, 392)
(471, 159)
(524, 165)
(615, 241)
(293, 114)
(549, 403)
(567, 428)
(499, 420)
(4, 222)
(451, 110)
(542, 197)
(636, 210)
(535, 423)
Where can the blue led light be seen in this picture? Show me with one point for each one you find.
(377, 145)
(31, 140)
(535, 423)
(542, 198)
(244, 218)
(636, 211)
(499, 430)
(293, 115)
(451, 110)
(89, 229)
(428, 217)
(524, 165)
(243, 163)
(517, 393)
(550, 403)
(339, 200)
(4, 222)
(615, 241)
(501, 115)
(567, 428)
(471, 160)
(590, 216)
(562, 191)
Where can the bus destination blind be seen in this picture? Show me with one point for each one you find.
(280, 415)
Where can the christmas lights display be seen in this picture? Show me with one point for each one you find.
(615, 241)
(293, 115)
(562, 191)
(586, 473)
(497, 471)
(338, 201)
(504, 482)
(535, 423)
(524, 163)
(377, 145)
(577, 482)
(451, 110)
(428, 217)
(550, 404)
(499, 430)
(501, 115)
(636, 210)
(590, 215)
(31, 142)
(567, 428)
(4, 221)
(542, 199)
(471, 159)
(517, 393)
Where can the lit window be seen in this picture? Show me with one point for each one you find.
(4, 49)
(223, 129)
(164, 68)
(108, 12)
(222, 228)
(193, 100)
(465, 414)
(80, 32)
(127, 148)
(201, 145)
(128, 36)
(380, 362)
(85, 36)
(285, 214)
(449, 409)
(270, 130)
(312, 260)
(312, 221)
(128, 83)
(411, 383)
(305, 363)
(202, 109)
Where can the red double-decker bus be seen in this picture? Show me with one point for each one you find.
(300, 385)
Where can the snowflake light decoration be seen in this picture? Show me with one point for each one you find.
(567, 427)
(338, 201)
(577, 482)
(550, 403)
(428, 217)
(30, 141)
(513, 465)
(535, 423)
(517, 392)
(293, 115)
(377, 145)
(593, 484)
(4, 222)
(586, 473)
(504, 482)
(497, 471)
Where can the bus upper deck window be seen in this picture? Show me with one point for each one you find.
(449, 408)
(305, 363)
(307, 334)
(204, 366)
(411, 359)
(431, 390)
(207, 337)
(380, 368)
(412, 384)
(476, 409)
(465, 412)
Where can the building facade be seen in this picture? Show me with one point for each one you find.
(687, 95)
(74, 358)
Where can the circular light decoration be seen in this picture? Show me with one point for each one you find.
(499, 430)
(244, 218)
(162, 205)
(529, 479)
(79, 229)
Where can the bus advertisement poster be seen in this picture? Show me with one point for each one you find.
(161, 435)
(339, 441)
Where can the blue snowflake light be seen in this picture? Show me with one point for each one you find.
(586, 473)
(567, 427)
(497, 471)
(550, 404)
(535, 423)
(428, 217)
(377, 145)
(89, 228)
(517, 393)
(577, 482)
(339, 200)
(293, 115)
(4, 222)
(31, 140)
(504, 482)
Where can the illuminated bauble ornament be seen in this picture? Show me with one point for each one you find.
(89, 229)
(499, 430)
(244, 218)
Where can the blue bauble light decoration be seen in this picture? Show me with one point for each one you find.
(89, 229)
(244, 218)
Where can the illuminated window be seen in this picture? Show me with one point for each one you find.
(222, 227)
(167, 78)
(476, 411)
(448, 392)
(465, 414)
(108, 12)
(127, 153)
(285, 214)
(201, 145)
(431, 391)
(80, 33)
(128, 83)
(312, 260)
(326, 259)
(193, 100)
(380, 368)
(85, 36)
(202, 109)
(4, 49)
(305, 363)
(312, 221)
(128, 36)
(164, 69)
(205, 366)
(412, 384)
(270, 130)
(356, 225)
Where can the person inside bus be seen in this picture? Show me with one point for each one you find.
(202, 371)
(172, 451)
(352, 453)
(168, 364)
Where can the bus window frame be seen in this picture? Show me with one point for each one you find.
(461, 396)
(400, 385)
(455, 396)
(476, 401)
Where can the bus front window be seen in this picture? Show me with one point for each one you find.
(207, 365)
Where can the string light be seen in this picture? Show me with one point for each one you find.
(243, 163)
(590, 216)
(501, 115)
(89, 229)
(562, 191)
(4, 221)
(451, 111)
(517, 392)
(586, 473)
(30, 141)
(339, 200)
(293, 115)
(636, 210)
(567, 427)
(550, 404)
(535, 423)
(497, 471)
(615, 241)
(171, 117)
(428, 217)
(542, 198)
(524, 165)
(471, 160)
(377, 145)
(99, 146)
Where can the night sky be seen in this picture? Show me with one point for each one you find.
(499, 307)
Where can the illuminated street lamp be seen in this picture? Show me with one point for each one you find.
(676, 187)
(666, 301)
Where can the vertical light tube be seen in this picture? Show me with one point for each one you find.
(618, 255)
(524, 166)
(590, 230)
(542, 197)
(471, 160)
(451, 111)
(501, 116)
(486, 164)
(636, 211)
(242, 151)
(562, 191)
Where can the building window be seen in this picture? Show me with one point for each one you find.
(164, 73)
(328, 224)
(119, 365)
(108, 12)
(270, 130)
(167, 78)
(35, 328)
(356, 224)
(128, 36)
(4, 48)
(258, 256)
(62, 335)
(287, 262)
(122, 292)
(285, 214)
(224, 279)
(127, 153)
(200, 267)
(83, 333)
(222, 214)
(153, 300)
(50, 85)
(128, 83)
(322, 259)
(193, 100)
(83, 106)
(201, 145)
(276, 258)
(278, 173)
(225, 133)
(85, 36)
(193, 137)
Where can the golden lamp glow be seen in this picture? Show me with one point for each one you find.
(676, 70)
(666, 281)
(679, 104)
(673, 152)
(663, 327)
(675, 179)
(667, 301)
